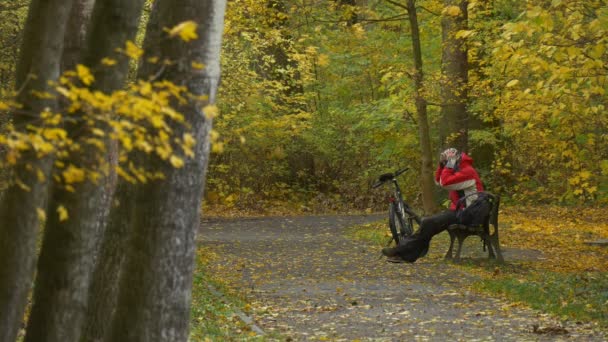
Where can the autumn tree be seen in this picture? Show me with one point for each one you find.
(21, 206)
(155, 290)
(550, 71)
(70, 241)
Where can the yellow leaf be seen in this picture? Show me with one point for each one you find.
(108, 61)
(189, 140)
(185, 30)
(512, 83)
(63, 213)
(198, 66)
(41, 214)
(464, 33)
(177, 162)
(210, 111)
(84, 74)
(133, 50)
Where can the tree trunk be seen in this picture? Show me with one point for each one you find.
(454, 68)
(69, 248)
(75, 39)
(19, 220)
(155, 286)
(104, 287)
(426, 157)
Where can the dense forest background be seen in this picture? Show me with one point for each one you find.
(318, 98)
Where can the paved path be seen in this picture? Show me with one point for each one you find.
(306, 281)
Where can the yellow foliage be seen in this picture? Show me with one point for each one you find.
(211, 111)
(132, 50)
(560, 234)
(84, 74)
(63, 213)
(108, 61)
(452, 11)
(73, 174)
(197, 65)
(176, 161)
(186, 31)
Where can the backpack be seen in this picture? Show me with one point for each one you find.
(475, 213)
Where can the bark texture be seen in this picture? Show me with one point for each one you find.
(426, 158)
(156, 284)
(104, 287)
(75, 39)
(19, 221)
(69, 247)
(454, 68)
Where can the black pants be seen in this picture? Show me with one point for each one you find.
(417, 245)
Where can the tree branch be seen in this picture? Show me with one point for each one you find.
(395, 3)
(428, 10)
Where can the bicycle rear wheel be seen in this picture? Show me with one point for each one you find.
(399, 229)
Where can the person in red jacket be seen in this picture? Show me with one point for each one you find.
(456, 174)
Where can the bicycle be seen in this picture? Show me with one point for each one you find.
(401, 226)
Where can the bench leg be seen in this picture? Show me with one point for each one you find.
(496, 245)
(487, 241)
(448, 255)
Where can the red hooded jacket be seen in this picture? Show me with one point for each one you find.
(460, 181)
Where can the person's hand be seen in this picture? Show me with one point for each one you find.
(451, 163)
(449, 157)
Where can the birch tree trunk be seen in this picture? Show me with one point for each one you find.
(156, 284)
(19, 220)
(69, 247)
(426, 168)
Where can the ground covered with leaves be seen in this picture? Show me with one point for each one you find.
(318, 278)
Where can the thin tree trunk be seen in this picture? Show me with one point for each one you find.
(156, 284)
(69, 248)
(426, 169)
(454, 68)
(19, 219)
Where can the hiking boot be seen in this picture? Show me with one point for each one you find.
(389, 252)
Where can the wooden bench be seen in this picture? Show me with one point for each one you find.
(488, 232)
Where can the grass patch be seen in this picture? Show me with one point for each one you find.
(214, 318)
(581, 297)
(375, 233)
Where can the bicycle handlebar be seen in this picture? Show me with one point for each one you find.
(401, 171)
